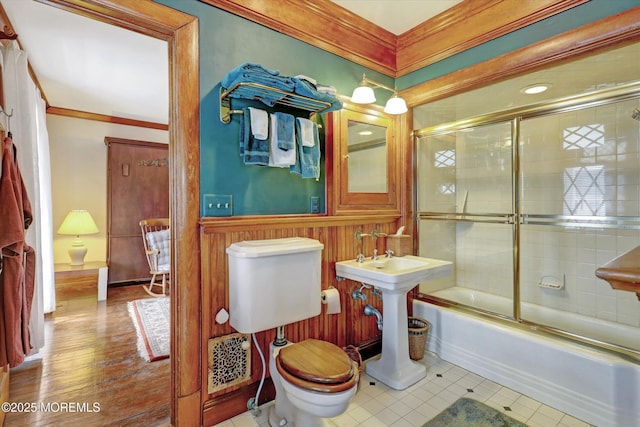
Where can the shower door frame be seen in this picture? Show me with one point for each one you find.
(516, 218)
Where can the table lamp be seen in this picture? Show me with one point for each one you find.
(77, 223)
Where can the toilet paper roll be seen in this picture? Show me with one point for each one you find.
(331, 297)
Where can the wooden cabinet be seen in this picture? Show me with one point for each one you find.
(137, 188)
(364, 159)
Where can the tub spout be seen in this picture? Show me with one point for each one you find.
(371, 311)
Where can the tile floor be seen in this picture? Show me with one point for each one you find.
(376, 405)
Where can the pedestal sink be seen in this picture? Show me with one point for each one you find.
(394, 277)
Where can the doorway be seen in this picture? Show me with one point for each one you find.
(181, 32)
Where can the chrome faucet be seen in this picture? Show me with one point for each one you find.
(389, 253)
(359, 235)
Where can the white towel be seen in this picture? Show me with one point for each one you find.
(259, 123)
(329, 90)
(277, 157)
(306, 132)
(307, 78)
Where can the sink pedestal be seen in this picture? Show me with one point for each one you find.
(394, 277)
(394, 367)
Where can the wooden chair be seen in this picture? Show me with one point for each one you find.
(156, 238)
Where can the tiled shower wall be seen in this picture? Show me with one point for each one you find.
(583, 163)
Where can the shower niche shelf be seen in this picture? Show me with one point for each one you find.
(258, 92)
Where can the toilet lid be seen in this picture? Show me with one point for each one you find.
(317, 361)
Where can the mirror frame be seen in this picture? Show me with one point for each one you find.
(345, 202)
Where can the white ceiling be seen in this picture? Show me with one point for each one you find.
(86, 65)
(397, 16)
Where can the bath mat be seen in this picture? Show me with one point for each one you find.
(151, 319)
(471, 413)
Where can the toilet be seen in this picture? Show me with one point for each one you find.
(276, 282)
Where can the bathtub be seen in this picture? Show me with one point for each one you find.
(598, 329)
(593, 385)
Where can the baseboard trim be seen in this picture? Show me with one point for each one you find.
(370, 348)
(234, 403)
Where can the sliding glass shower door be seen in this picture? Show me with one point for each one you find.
(580, 203)
(527, 224)
(465, 200)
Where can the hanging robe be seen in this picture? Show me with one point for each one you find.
(17, 278)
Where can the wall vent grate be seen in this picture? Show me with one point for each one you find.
(229, 361)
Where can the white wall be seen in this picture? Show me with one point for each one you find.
(79, 175)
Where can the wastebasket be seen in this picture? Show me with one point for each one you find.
(418, 334)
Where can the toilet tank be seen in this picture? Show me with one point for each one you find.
(274, 282)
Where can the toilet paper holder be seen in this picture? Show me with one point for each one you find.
(323, 296)
(331, 298)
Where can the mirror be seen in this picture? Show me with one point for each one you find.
(367, 158)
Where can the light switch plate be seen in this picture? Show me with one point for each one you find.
(315, 204)
(217, 205)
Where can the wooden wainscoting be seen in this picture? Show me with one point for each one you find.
(350, 326)
(4, 389)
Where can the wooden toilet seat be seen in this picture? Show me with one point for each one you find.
(317, 366)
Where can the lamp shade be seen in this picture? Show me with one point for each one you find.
(78, 222)
(363, 94)
(395, 105)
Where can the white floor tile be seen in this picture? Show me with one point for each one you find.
(401, 408)
(569, 421)
(403, 423)
(359, 414)
(377, 405)
(387, 416)
(539, 419)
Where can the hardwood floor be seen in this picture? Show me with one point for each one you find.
(90, 357)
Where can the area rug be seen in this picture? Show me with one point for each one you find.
(471, 413)
(151, 319)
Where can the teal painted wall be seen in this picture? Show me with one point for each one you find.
(227, 41)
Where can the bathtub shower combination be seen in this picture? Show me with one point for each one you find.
(527, 205)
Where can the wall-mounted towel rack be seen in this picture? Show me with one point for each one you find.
(258, 92)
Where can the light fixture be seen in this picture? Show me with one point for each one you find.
(535, 88)
(363, 94)
(77, 223)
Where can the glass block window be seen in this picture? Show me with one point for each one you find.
(577, 137)
(445, 159)
(584, 191)
(447, 189)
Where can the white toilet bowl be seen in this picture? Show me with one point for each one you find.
(309, 395)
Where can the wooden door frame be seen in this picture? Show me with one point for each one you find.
(181, 33)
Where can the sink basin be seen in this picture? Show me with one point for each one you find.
(394, 274)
